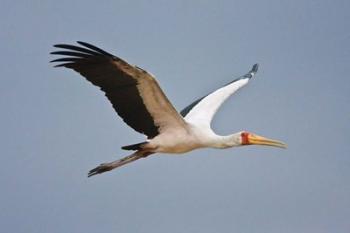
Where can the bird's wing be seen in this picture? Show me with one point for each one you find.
(202, 111)
(133, 92)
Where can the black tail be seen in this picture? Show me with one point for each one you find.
(137, 146)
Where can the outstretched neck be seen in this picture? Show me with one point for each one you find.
(231, 140)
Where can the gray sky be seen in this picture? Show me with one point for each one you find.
(55, 126)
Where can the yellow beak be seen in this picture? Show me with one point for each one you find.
(254, 139)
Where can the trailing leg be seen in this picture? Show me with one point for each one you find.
(104, 167)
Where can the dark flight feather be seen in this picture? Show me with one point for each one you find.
(116, 78)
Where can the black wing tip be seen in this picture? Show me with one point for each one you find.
(78, 53)
(254, 68)
(60, 45)
(82, 42)
(95, 48)
(81, 47)
(252, 72)
(63, 45)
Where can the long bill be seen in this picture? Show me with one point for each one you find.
(254, 139)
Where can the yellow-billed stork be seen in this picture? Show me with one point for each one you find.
(141, 103)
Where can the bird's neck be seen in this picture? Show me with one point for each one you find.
(227, 141)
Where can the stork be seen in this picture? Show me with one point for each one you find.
(138, 99)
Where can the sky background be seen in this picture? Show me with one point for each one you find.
(55, 126)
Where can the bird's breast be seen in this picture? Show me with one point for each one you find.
(176, 143)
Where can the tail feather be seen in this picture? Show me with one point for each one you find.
(104, 167)
(137, 146)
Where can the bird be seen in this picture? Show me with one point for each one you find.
(138, 99)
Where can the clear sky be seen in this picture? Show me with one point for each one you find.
(55, 126)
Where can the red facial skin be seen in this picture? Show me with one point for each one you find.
(245, 139)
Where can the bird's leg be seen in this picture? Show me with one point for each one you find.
(104, 167)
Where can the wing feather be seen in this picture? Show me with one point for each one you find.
(202, 111)
(134, 93)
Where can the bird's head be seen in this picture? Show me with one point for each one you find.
(247, 138)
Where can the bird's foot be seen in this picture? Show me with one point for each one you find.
(104, 167)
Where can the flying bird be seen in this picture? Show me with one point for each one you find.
(138, 99)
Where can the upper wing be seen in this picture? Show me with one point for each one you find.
(134, 93)
(202, 111)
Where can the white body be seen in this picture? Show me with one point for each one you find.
(182, 142)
